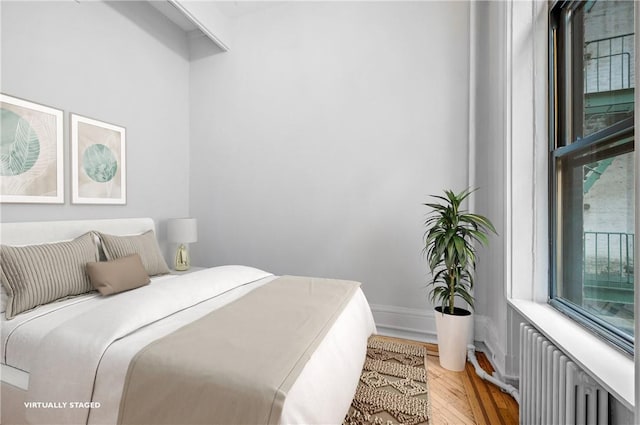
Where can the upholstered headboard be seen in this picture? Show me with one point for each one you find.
(35, 232)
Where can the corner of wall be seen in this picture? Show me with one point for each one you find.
(419, 325)
(486, 333)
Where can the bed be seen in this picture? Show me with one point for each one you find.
(127, 357)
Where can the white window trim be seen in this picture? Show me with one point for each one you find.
(526, 203)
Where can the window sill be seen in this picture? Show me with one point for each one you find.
(611, 368)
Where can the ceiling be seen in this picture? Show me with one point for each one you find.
(174, 15)
(231, 9)
(235, 9)
(176, 12)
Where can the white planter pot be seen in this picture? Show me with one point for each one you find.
(453, 334)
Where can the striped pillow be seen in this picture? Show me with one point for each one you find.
(39, 274)
(144, 245)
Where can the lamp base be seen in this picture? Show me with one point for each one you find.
(182, 259)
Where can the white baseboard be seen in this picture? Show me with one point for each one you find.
(485, 332)
(420, 325)
(403, 322)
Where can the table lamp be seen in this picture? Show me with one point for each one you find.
(182, 231)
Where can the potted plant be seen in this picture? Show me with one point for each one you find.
(449, 247)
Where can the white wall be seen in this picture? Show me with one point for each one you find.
(120, 62)
(511, 166)
(317, 138)
(490, 160)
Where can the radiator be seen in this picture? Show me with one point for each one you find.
(553, 389)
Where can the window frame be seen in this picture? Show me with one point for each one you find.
(564, 116)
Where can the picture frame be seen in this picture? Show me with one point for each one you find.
(98, 162)
(31, 152)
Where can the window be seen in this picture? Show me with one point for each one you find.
(591, 165)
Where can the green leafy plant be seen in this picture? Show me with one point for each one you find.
(450, 250)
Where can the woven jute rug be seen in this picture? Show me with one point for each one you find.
(393, 386)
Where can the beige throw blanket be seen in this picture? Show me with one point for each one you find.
(235, 365)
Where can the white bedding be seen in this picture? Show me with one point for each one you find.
(64, 345)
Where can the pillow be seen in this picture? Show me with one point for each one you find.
(39, 274)
(122, 274)
(3, 299)
(144, 245)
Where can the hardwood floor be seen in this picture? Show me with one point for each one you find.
(463, 398)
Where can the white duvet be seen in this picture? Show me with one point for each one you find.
(77, 351)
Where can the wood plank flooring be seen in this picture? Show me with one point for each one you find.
(463, 398)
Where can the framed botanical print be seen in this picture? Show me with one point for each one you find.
(98, 162)
(31, 152)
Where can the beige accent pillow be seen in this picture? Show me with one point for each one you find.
(39, 274)
(119, 275)
(144, 245)
(3, 299)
